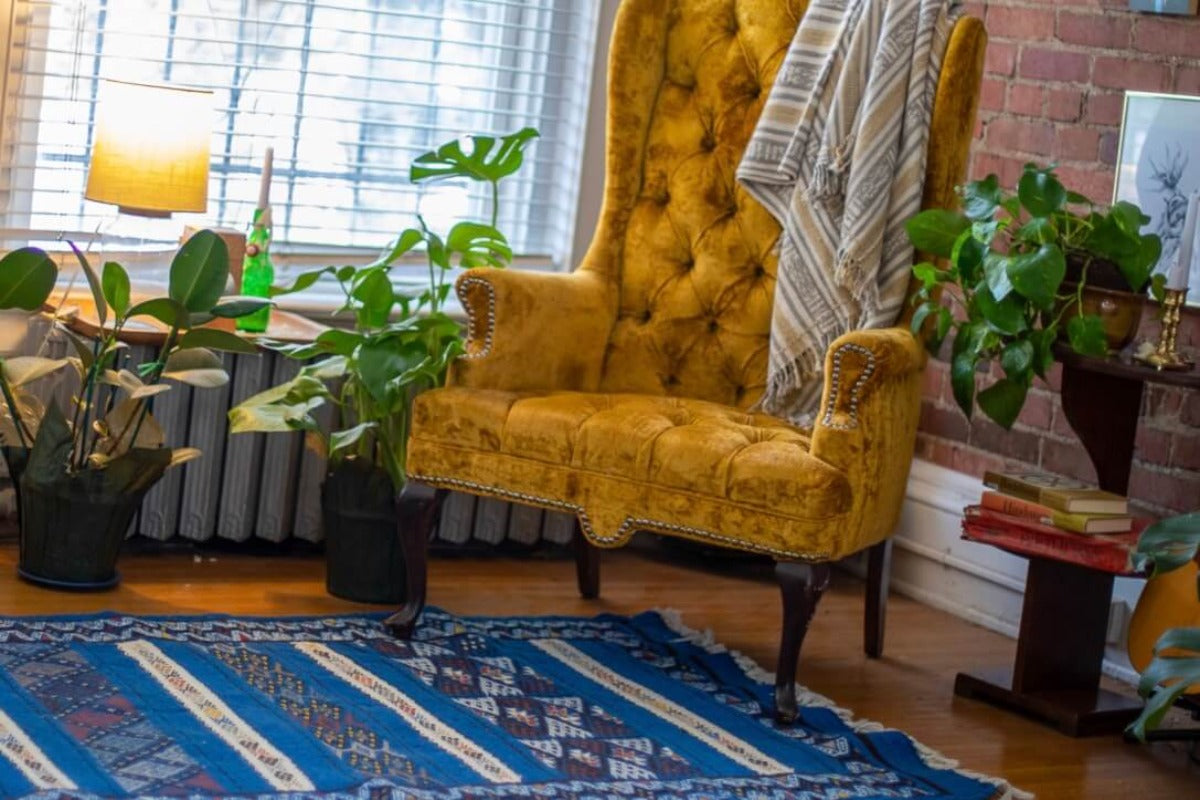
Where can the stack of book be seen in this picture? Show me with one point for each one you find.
(1053, 517)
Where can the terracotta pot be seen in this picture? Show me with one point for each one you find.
(1120, 312)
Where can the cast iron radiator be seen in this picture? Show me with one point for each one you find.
(268, 485)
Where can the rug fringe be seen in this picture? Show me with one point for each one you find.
(807, 697)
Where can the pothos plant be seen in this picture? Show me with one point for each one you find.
(107, 431)
(399, 344)
(1165, 546)
(1005, 259)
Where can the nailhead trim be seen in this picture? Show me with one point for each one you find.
(827, 421)
(473, 334)
(630, 524)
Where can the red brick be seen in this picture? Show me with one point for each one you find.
(1026, 98)
(1061, 426)
(1095, 183)
(1038, 410)
(1023, 23)
(1173, 491)
(1050, 64)
(1186, 454)
(1161, 402)
(1006, 133)
(1104, 108)
(972, 461)
(1168, 36)
(1093, 30)
(991, 94)
(1007, 169)
(1187, 80)
(1067, 458)
(1077, 144)
(1125, 73)
(1001, 58)
(987, 435)
(1153, 446)
(1191, 410)
(1109, 140)
(948, 423)
(1065, 105)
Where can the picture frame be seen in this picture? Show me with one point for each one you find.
(1158, 167)
(1165, 6)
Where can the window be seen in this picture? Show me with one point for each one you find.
(347, 92)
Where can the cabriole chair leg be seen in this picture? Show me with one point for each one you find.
(879, 570)
(801, 585)
(417, 512)
(587, 564)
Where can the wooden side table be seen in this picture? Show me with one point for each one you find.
(1060, 646)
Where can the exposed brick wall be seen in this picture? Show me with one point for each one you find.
(1053, 90)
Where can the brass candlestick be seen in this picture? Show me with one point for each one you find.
(1165, 356)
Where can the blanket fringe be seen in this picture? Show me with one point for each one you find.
(806, 697)
(791, 385)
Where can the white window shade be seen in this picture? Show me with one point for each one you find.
(348, 93)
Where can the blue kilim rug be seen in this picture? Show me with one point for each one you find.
(549, 708)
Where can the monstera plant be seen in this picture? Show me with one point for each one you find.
(81, 471)
(395, 345)
(1018, 266)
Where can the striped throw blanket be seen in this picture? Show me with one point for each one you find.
(838, 157)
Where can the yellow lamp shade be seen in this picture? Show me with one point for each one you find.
(151, 148)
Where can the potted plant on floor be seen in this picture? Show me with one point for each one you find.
(1026, 269)
(397, 345)
(1166, 548)
(81, 472)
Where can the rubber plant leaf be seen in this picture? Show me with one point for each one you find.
(216, 339)
(21, 370)
(234, 307)
(27, 277)
(114, 283)
(51, 449)
(164, 309)
(199, 272)
(196, 366)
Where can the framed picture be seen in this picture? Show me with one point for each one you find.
(1165, 6)
(1158, 167)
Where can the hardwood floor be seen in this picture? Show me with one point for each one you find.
(910, 688)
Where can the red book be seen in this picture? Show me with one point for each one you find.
(1107, 552)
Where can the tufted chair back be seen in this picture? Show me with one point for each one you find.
(692, 253)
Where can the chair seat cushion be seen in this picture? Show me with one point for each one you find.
(620, 456)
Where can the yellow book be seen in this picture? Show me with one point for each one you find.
(1058, 493)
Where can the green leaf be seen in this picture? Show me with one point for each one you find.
(1158, 287)
(1043, 349)
(1040, 230)
(921, 314)
(199, 272)
(164, 309)
(967, 257)
(484, 162)
(376, 297)
(1017, 360)
(20, 370)
(1137, 265)
(995, 272)
(93, 283)
(1036, 276)
(340, 440)
(1168, 675)
(382, 360)
(962, 380)
(114, 283)
(27, 277)
(1086, 334)
(216, 339)
(196, 366)
(234, 307)
(1004, 316)
(1078, 199)
(930, 275)
(338, 341)
(1169, 543)
(982, 198)
(302, 282)
(1040, 192)
(405, 242)
(935, 231)
(478, 245)
(1002, 401)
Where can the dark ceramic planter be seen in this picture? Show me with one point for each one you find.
(363, 560)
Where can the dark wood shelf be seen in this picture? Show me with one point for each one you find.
(1122, 365)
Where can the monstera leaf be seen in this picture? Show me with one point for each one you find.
(490, 159)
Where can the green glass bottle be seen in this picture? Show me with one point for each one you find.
(257, 272)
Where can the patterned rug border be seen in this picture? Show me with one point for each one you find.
(670, 617)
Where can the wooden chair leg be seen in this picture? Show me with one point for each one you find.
(879, 570)
(801, 585)
(417, 511)
(587, 564)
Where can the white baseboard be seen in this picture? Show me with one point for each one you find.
(983, 585)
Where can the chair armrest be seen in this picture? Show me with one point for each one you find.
(534, 331)
(867, 422)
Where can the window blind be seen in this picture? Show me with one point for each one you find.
(347, 92)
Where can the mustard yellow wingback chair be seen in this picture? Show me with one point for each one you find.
(623, 392)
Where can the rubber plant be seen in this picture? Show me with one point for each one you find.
(105, 450)
(1165, 546)
(398, 344)
(1005, 258)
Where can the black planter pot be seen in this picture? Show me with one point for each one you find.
(363, 560)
